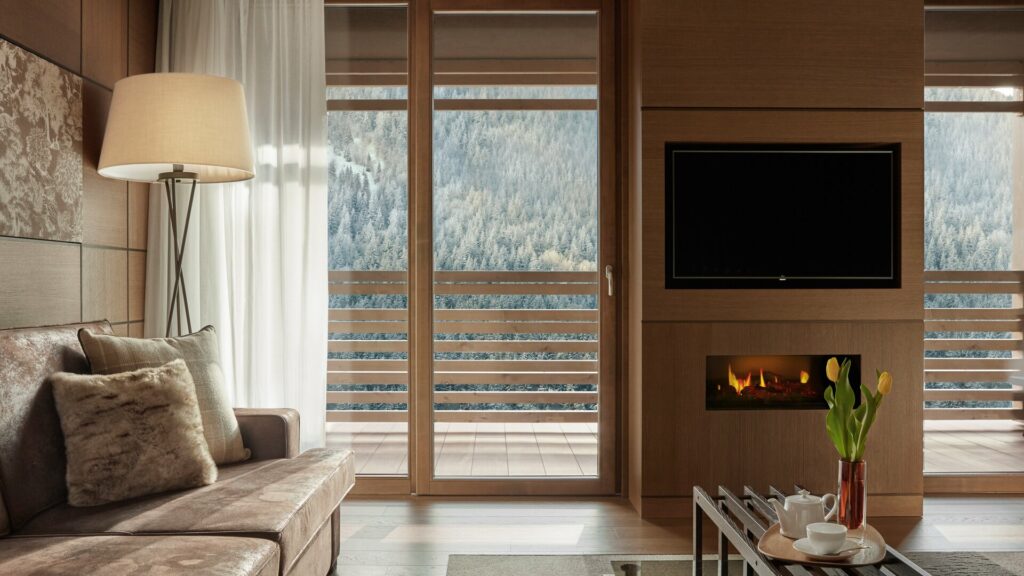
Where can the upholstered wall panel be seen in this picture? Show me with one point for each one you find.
(40, 283)
(104, 284)
(136, 285)
(59, 60)
(40, 148)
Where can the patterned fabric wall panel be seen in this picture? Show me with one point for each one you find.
(40, 148)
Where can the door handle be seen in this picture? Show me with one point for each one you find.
(610, 277)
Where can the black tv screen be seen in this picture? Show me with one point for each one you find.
(782, 215)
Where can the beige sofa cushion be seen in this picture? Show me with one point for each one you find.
(131, 434)
(138, 556)
(285, 501)
(112, 354)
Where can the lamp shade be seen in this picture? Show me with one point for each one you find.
(159, 120)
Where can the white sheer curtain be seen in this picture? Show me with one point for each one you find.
(256, 254)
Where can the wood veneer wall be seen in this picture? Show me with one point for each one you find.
(46, 282)
(789, 71)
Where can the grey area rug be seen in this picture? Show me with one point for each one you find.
(936, 563)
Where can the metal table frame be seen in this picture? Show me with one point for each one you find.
(741, 520)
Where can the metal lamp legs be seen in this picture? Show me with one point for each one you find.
(179, 294)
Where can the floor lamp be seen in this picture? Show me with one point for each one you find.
(177, 129)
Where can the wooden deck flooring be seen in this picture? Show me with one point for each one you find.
(973, 446)
(466, 449)
(569, 449)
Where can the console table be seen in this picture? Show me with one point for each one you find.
(741, 520)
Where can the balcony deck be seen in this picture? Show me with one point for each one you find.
(475, 449)
(569, 449)
(974, 446)
(975, 339)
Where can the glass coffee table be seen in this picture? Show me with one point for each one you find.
(741, 520)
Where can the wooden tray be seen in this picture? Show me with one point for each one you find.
(774, 545)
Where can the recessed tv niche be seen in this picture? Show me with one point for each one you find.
(782, 215)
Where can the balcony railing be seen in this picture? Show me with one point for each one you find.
(494, 362)
(983, 345)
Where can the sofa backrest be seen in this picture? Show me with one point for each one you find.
(32, 463)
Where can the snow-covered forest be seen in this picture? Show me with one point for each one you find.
(513, 190)
(969, 208)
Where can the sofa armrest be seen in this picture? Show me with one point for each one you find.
(269, 432)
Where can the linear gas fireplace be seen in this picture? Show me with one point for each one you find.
(788, 382)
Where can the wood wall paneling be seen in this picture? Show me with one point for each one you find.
(104, 210)
(796, 71)
(972, 483)
(630, 93)
(786, 54)
(50, 28)
(142, 25)
(105, 40)
(610, 457)
(905, 127)
(686, 445)
(104, 284)
(105, 204)
(40, 283)
(138, 215)
(136, 285)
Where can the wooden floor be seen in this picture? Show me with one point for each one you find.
(466, 449)
(973, 446)
(410, 536)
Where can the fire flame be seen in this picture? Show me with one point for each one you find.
(739, 384)
(804, 376)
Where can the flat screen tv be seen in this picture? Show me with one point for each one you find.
(782, 215)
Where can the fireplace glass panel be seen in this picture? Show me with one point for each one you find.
(783, 382)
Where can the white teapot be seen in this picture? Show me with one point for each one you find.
(800, 510)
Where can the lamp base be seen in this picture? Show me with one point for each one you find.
(179, 294)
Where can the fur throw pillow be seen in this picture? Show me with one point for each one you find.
(131, 434)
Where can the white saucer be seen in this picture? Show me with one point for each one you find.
(850, 547)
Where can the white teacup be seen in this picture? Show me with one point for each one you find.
(826, 537)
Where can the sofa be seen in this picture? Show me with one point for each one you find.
(277, 513)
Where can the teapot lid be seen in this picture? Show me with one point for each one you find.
(803, 497)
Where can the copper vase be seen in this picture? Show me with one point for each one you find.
(853, 496)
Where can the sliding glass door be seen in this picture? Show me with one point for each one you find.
(368, 380)
(473, 248)
(515, 245)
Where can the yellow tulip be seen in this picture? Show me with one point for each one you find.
(884, 383)
(832, 369)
